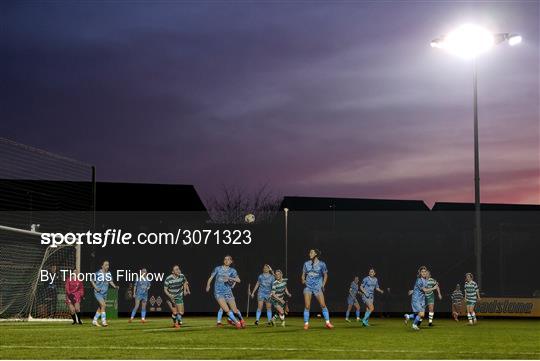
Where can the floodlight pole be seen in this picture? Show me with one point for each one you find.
(286, 210)
(477, 217)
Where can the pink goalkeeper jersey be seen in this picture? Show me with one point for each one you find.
(74, 288)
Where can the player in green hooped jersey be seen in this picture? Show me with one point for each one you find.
(279, 290)
(175, 287)
(472, 294)
(430, 297)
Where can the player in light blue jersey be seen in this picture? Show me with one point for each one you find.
(418, 301)
(140, 293)
(102, 280)
(352, 300)
(264, 285)
(314, 277)
(369, 285)
(225, 278)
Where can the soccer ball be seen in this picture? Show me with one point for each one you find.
(249, 218)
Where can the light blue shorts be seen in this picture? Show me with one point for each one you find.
(351, 300)
(265, 297)
(141, 297)
(366, 300)
(226, 295)
(100, 296)
(313, 290)
(419, 305)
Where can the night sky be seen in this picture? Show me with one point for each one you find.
(312, 98)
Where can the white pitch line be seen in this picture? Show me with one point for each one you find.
(292, 349)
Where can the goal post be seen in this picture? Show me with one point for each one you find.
(23, 294)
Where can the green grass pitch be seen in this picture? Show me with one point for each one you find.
(199, 338)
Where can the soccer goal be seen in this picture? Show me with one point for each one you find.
(24, 295)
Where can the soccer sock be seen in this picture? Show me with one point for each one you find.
(179, 318)
(347, 314)
(469, 316)
(411, 316)
(173, 317)
(78, 317)
(269, 315)
(219, 315)
(473, 316)
(97, 316)
(326, 314)
(143, 313)
(431, 314)
(103, 317)
(231, 316)
(306, 315)
(74, 318)
(366, 316)
(357, 314)
(417, 320)
(282, 316)
(258, 315)
(133, 313)
(239, 314)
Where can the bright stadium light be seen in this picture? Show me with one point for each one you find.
(467, 41)
(514, 39)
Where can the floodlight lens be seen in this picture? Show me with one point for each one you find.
(514, 40)
(468, 41)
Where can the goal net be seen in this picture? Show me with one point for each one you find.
(24, 294)
(39, 192)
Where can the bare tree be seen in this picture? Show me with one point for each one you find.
(233, 204)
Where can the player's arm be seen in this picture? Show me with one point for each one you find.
(254, 289)
(113, 285)
(94, 286)
(166, 291)
(287, 292)
(325, 279)
(303, 277)
(410, 292)
(478, 294)
(209, 282)
(439, 291)
(187, 291)
(135, 288)
(379, 290)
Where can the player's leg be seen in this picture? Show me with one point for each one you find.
(326, 314)
(307, 305)
(269, 311)
(135, 308)
(236, 311)
(369, 309)
(469, 313)
(77, 306)
(348, 312)
(101, 304)
(72, 312)
(281, 312)
(219, 317)
(431, 313)
(225, 307)
(259, 311)
(143, 310)
(455, 313)
(103, 313)
(180, 314)
(174, 312)
(357, 312)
